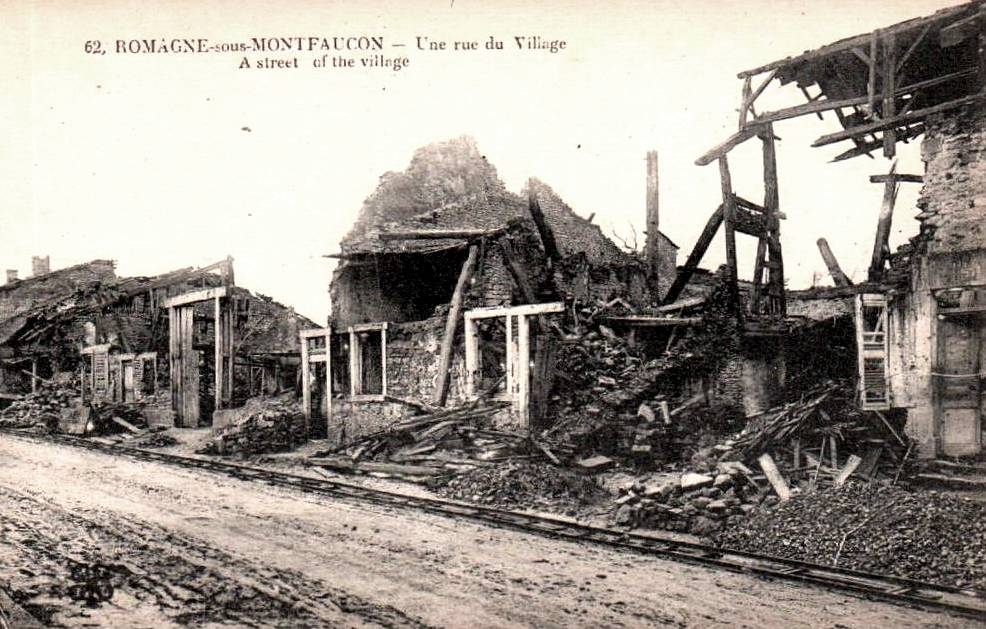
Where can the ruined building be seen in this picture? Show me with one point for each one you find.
(446, 239)
(920, 328)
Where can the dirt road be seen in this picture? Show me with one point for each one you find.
(196, 549)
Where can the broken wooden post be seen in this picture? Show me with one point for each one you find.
(847, 471)
(881, 246)
(777, 298)
(652, 248)
(835, 270)
(455, 309)
(774, 476)
(889, 109)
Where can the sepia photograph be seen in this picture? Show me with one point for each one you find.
(457, 314)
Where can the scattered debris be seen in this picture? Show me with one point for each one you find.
(41, 409)
(874, 527)
(266, 424)
(524, 484)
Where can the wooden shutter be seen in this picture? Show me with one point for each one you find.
(872, 343)
(100, 373)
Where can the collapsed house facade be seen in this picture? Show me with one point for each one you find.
(183, 344)
(445, 240)
(919, 317)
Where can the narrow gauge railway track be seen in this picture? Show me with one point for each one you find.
(966, 602)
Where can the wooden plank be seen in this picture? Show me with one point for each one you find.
(896, 178)
(920, 114)
(835, 270)
(437, 234)
(871, 82)
(774, 477)
(127, 425)
(695, 257)
(306, 387)
(218, 339)
(451, 324)
(472, 349)
(524, 371)
(731, 142)
(847, 470)
(198, 295)
(487, 312)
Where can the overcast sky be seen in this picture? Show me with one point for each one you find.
(168, 160)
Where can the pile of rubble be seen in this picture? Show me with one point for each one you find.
(874, 527)
(41, 409)
(524, 484)
(437, 444)
(262, 425)
(700, 504)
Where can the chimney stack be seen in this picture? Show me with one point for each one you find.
(11, 275)
(652, 253)
(40, 266)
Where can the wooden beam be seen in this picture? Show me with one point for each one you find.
(510, 311)
(437, 234)
(544, 228)
(910, 50)
(205, 294)
(919, 114)
(731, 142)
(729, 222)
(451, 324)
(820, 105)
(840, 278)
(652, 252)
(897, 178)
(871, 82)
(695, 257)
(771, 203)
(881, 241)
(959, 31)
(774, 476)
(889, 109)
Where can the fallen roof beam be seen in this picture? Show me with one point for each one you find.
(819, 106)
(647, 321)
(732, 142)
(438, 234)
(896, 120)
(838, 276)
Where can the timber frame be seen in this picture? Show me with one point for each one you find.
(518, 361)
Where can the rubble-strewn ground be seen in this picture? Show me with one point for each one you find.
(197, 549)
(877, 528)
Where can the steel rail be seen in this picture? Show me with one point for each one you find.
(900, 590)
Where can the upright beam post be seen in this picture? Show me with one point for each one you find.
(653, 246)
(729, 222)
(306, 385)
(889, 86)
(448, 340)
(772, 210)
(219, 338)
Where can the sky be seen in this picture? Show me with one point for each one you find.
(165, 160)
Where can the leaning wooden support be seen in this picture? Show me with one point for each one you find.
(695, 257)
(448, 340)
(881, 246)
(840, 278)
(774, 476)
(652, 252)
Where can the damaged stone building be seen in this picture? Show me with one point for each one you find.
(131, 339)
(443, 240)
(919, 317)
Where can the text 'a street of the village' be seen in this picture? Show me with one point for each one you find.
(509, 418)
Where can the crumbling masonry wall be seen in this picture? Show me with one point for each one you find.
(950, 251)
